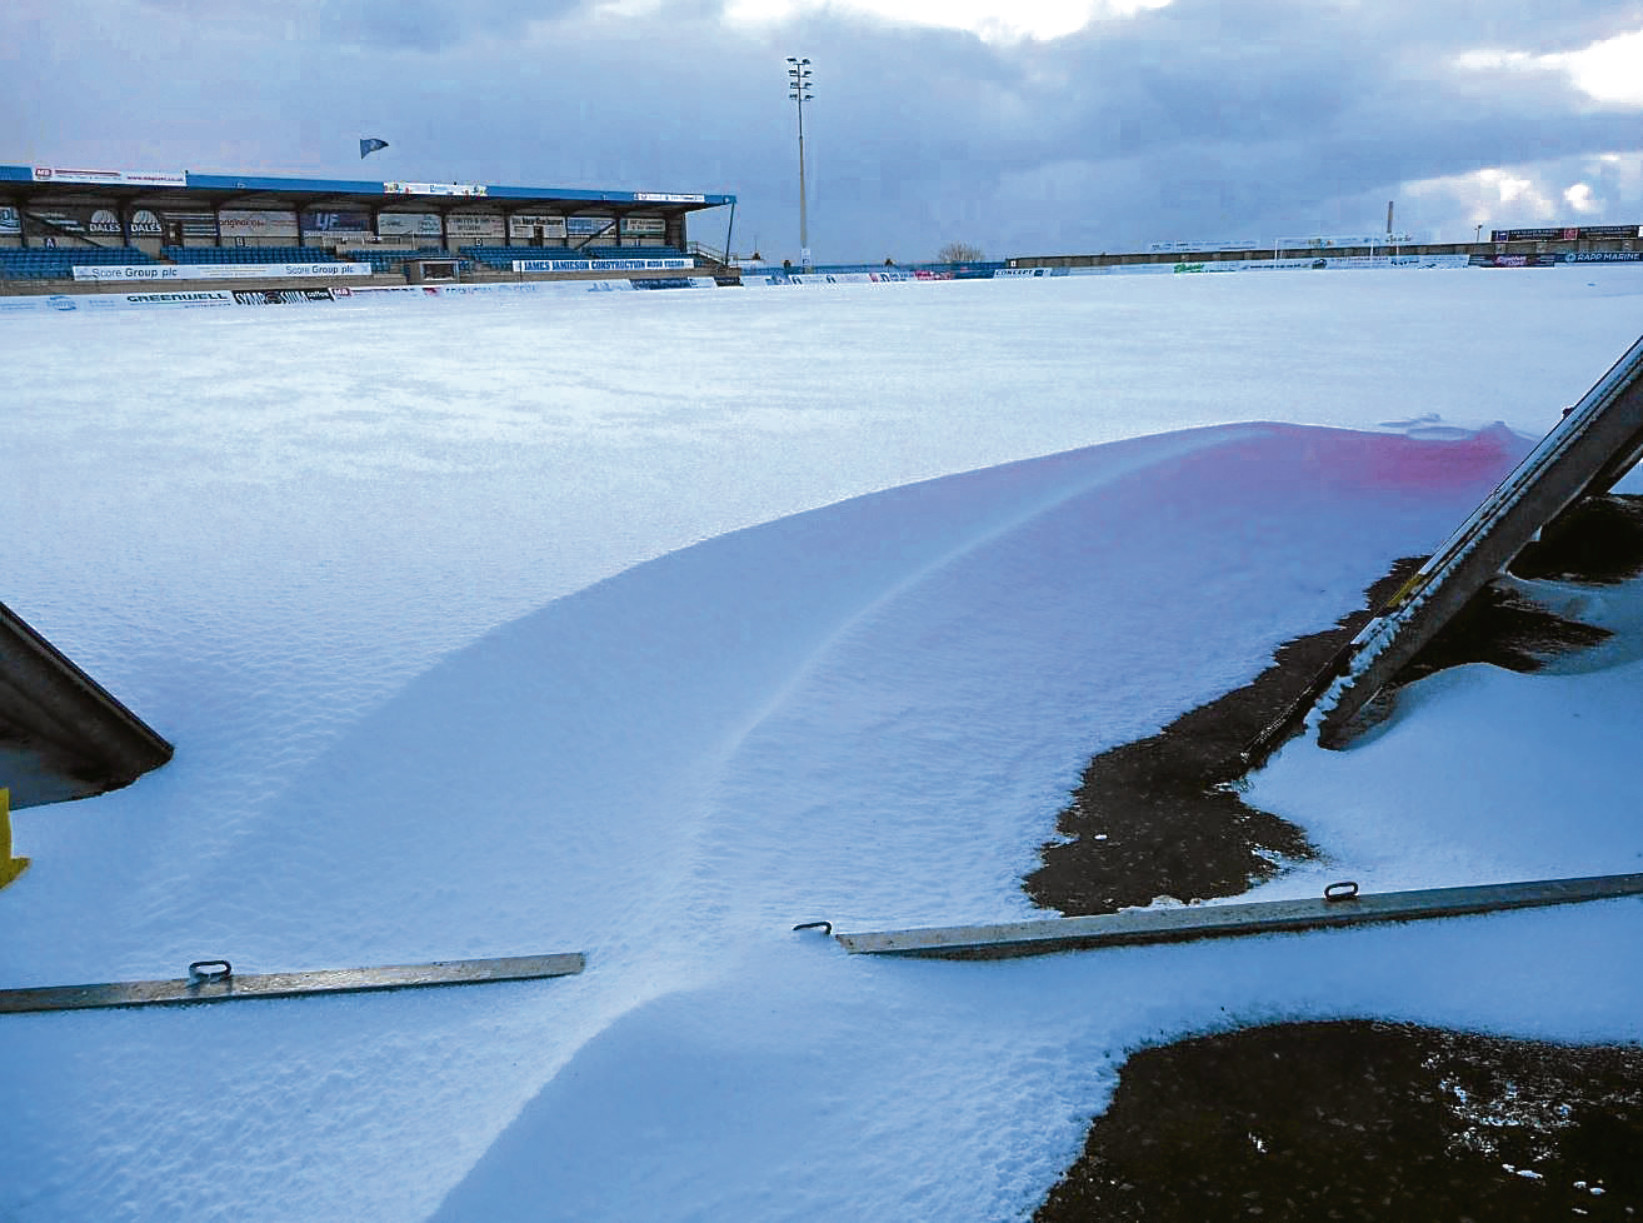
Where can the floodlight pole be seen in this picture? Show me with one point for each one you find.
(798, 81)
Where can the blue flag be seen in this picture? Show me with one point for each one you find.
(370, 145)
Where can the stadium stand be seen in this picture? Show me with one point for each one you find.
(383, 262)
(501, 258)
(58, 264)
(247, 254)
(626, 252)
(190, 219)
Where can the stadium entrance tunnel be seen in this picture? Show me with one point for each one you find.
(62, 735)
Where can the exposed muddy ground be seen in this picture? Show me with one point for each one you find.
(1352, 1121)
(1355, 1121)
(1161, 816)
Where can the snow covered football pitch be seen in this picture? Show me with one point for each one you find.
(648, 625)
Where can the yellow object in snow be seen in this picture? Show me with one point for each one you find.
(10, 867)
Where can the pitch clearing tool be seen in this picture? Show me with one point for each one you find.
(216, 981)
(1341, 905)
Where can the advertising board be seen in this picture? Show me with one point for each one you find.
(588, 227)
(246, 223)
(166, 223)
(1337, 242)
(1514, 261)
(655, 197)
(642, 265)
(11, 221)
(471, 225)
(142, 223)
(553, 265)
(525, 224)
(408, 224)
(206, 297)
(1602, 256)
(602, 265)
(119, 178)
(1567, 233)
(1195, 247)
(1559, 234)
(350, 223)
(103, 222)
(1600, 232)
(644, 227)
(221, 271)
(280, 297)
(458, 189)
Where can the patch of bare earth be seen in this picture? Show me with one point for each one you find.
(1363, 1121)
(1163, 816)
(1352, 1120)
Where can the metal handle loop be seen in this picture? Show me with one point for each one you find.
(826, 927)
(1347, 889)
(200, 972)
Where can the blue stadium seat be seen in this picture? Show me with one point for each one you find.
(58, 263)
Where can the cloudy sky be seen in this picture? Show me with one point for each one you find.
(1019, 126)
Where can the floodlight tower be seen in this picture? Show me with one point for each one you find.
(798, 82)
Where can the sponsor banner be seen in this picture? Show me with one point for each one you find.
(676, 282)
(587, 227)
(280, 297)
(653, 197)
(838, 278)
(104, 222)
(120, 178)
(151, 223)
(474, 225)
(1397, 261)
(841, 278)
(245, 223)
(1125, 269)
(220, 271)
(139, 271)
(1193, 248)
(403, 293)
(408, 224)
(642, 265)
(525, 225)
(1599, 232)
(206, 297)
(11, 221)
(1009, 273)
(192, 224)
(15, 305)
(59, 219)
(353, 224)
(1602, 256)
(372, 292)
(460, 189)
(1338, 242)
(1567, 233)
(1514, 261)
(553, 265)
(602, 265)
(142, 223)
(644, 227)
